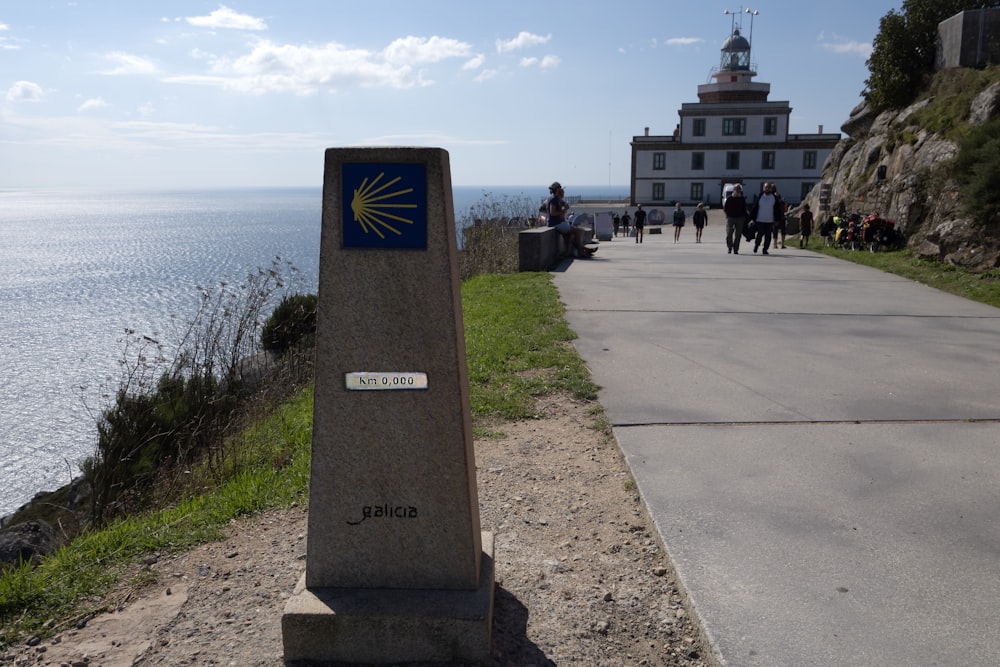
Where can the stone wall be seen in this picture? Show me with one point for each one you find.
(969, 39)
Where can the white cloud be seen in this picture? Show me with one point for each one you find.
(419, 50)
(547, 62)
(128, 64)
(25, 91)
(852, 47)
(523, 40)
(683, 41)
(92, 133)
(485, 75)
(146, 110)
(4, 44)
(306, 70)
(226, 18)
(431, 138)
(92, 103)
(475, 62)
(196, 136)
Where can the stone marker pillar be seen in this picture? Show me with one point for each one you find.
(397, 569)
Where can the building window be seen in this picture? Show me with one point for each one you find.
(697, 161)
(733, 160)
(659, 161)
(767, 160)
(809, 160)
(659, 192)
(699, 127)
(806, 189)
(770, 126)
(734, 127)
(697, 191)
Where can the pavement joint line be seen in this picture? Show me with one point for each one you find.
(818, 422)
(640, 277)
(771, 313)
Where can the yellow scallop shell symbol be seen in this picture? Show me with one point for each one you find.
(374, 208)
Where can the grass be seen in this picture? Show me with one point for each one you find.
(951, 93)
(518, 347)
(64, 585)
(981, 287)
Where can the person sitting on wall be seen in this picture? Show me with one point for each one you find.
(557, 208)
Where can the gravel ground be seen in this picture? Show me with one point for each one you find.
(581, 576)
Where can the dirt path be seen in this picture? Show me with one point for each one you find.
(582, 579)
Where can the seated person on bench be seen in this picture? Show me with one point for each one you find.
(557, 208)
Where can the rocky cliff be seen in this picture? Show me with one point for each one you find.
(891, 165)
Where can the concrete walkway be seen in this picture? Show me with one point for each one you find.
(818, 444)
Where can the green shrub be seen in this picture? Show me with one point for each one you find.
(977, 170)
(904, 50)
(488, 248)
(489, 234)
(176, 405)
(144, 436)
(292, 322)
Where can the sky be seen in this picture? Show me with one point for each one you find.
(247, 93)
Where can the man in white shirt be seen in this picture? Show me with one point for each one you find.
(767, 210)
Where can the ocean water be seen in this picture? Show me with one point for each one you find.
(81, 267)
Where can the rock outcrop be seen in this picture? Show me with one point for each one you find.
(891, 166)
(28, 534)
(25, 542)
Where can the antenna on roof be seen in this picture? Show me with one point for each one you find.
(732, 21)
(733, 26)
(752, 14)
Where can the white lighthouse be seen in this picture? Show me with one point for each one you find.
(733, 134)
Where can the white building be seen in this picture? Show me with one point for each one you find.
(733, 134)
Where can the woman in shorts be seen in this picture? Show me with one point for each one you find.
(679, 219)
(700, 219)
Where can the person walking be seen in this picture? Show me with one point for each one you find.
(767, 210)
(779, 222)
(626, 222)
(700, 219)
(735, 208)
(679, 219)
(616, 222)
(639, 222)
(805, 226)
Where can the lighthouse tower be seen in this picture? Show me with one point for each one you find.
(734, 77)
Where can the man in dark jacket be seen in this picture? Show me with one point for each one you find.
(735, 208)
(640, 223)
